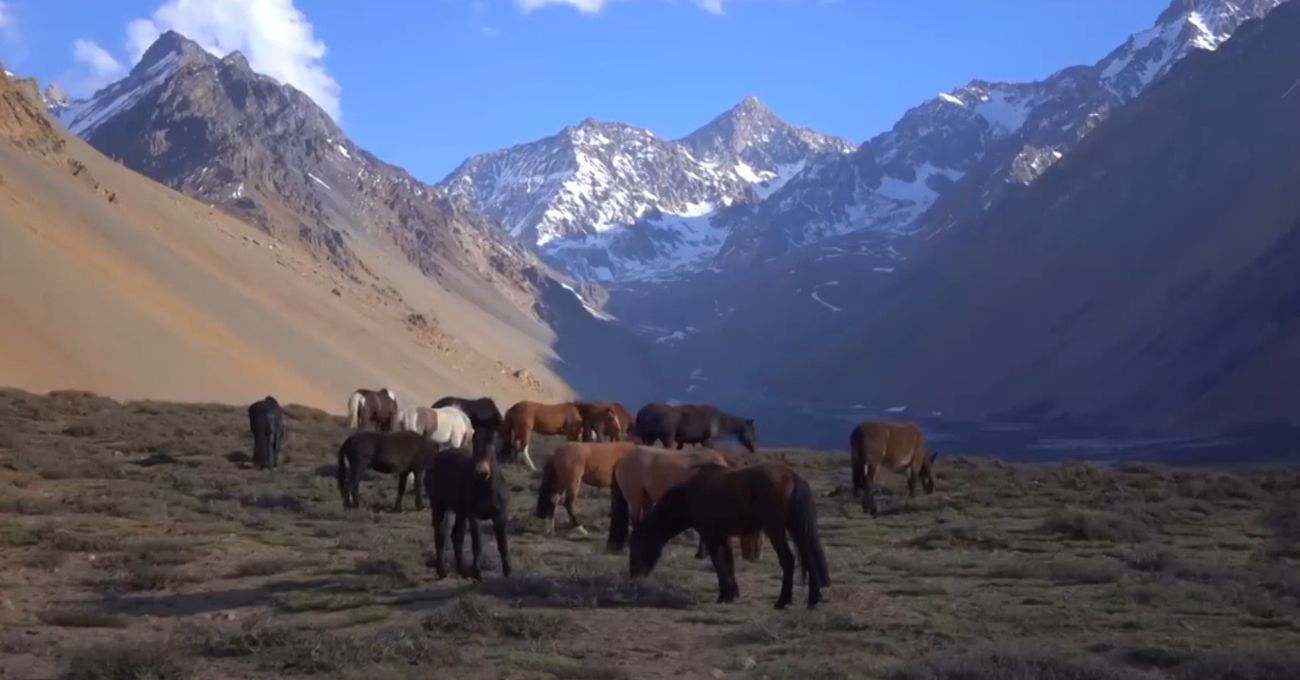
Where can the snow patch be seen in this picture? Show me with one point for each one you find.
(343, 150)
(590, 310)
(319, 181)
(896, 409)
(824, 303)
(951, 99)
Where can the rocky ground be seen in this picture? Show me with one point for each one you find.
(137, 542)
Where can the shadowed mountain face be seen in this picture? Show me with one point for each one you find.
(1144, 280)
(264, 152)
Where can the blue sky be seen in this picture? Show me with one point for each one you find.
(424, 84)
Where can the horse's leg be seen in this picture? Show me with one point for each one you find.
(499, 529)
(729, 559)
(719, 566)
(776, 535)
(439, 514)
(528, 460)
(401, 490)
(458, 542)
(354, 485)
(911, 482)
(570, 495)
(419, 488)
(869, 494)
(476, 548)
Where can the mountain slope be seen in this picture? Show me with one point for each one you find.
(264, 152)
(985, 137)
(1144, 280)
(113, 283)
(609, 201)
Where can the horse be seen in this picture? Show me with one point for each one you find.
(691, 424)
(447, 426)
(899, 447)
(718, 502)
(483, 412)
(571, 466)
(375, 409)
(603, 420)
(266, 421)
(527, 417)
(400, 453)
(472, 486)
(643, 475)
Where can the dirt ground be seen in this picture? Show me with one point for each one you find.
(136, 542)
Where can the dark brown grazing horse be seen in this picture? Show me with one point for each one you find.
(373, 410)
(397, 453)
(897, 446)
(266, 421)
(679, 425)
(483, 415)
(720, 502)
(527, 417)
(473, 487)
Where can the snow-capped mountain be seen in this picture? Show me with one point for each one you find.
(984, 136)
(216, 130)
(609, 201)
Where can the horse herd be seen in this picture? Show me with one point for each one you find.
(452, 452)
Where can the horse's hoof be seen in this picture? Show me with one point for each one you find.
(781, 605)
(582, 530)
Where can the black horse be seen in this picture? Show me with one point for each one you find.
(691, 424)
(399, 453)
(266, 420)
(472, 486)
(483, 415)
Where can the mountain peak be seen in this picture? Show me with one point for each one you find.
(170, 46)
(750, 103)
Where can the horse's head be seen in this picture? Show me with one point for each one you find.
(747, 436)
(484, 459)
(645, 550)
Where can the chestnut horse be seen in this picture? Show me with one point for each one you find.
(718, 502)
(643, 475)
(897, 446)
(604, 420)
(373, 409)
(527, 417)
(571, 466)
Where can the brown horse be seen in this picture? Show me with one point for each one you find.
(682, 424)
(604, 421)
(571, 466)
(897, 446)
(643, 475)
(527, 417)
(373, 409)
(718, 502)
(401, 453)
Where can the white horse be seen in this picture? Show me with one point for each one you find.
(447, 426)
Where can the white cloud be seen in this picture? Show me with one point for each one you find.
(8, 25)
(274, 35)
(584, 6)
(489, 32)
(710, 6)
(98, 68)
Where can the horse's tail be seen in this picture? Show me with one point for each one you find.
(354, 410)
(803, 529)
(547, 491)
(857, 462)
(341, 471)
(618, 518)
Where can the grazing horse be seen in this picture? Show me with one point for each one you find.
(691, 424)
(899, 447)
(399, 453)
(718, 502)
(527, 417)
(571, 466)
(483, 412)
(643, 475)
(447, 426)
(604, 420)
(373, 409)
(266, 420)
(473, 487)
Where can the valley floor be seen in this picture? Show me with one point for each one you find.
(135, 541)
